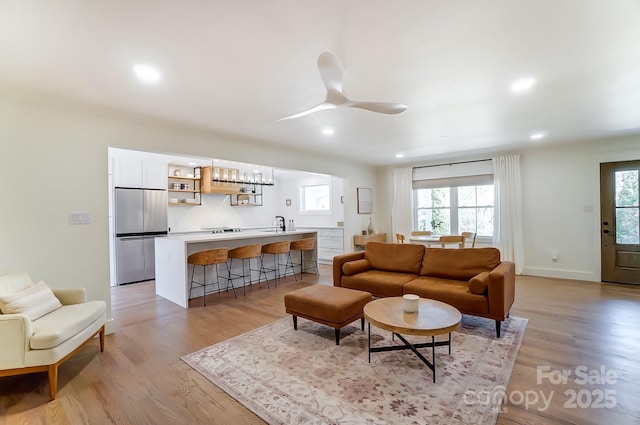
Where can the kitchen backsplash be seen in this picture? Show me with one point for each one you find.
(216, 210)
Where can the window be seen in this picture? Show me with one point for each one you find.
(453, 210)
(315, 198)
(627, 207)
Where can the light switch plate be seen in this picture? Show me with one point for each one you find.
(79, 217)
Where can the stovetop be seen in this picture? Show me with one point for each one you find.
(225, 229)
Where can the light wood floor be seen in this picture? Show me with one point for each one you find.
(139, 379)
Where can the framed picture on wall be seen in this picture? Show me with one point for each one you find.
(364, 200)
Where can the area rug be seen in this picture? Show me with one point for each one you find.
(302, 377)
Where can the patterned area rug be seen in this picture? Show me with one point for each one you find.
(302, 377)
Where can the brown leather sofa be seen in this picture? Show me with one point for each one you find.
(473, 280)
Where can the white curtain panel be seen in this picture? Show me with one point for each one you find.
(402, 208)
(508, 209)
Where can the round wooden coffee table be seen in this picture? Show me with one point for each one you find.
(433, 318)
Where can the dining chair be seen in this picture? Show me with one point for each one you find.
(470, 236)
(454, 239)
(399, 238)
(421, 233)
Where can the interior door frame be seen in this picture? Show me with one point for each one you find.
(608, 232)
(597, 159)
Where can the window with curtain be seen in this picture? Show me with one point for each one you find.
(452, 210)
(453, 198)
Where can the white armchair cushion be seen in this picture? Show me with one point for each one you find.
(14, 282)
(58, 326)
(35, 301)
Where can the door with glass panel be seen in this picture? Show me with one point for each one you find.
(620, 221)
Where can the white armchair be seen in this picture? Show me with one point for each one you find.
(43, 344)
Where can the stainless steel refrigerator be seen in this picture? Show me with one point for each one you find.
(140, 217)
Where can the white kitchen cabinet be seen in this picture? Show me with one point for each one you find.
(330, 242)
(127, 172)
(131, 172)
(154, 175)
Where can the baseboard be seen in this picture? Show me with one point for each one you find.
(561, 274)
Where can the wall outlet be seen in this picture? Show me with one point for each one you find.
(554, 256)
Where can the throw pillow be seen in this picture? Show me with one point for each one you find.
(35, 301)
(479, 283)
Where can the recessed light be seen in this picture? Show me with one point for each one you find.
(538, 136)
(328, 131)
(523, 84)
(192, 163)
(399, 155)
(147, 73)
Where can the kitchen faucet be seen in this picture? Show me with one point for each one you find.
(281, 223)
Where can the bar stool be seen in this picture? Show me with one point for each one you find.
(211, 257)
(245, 254)
(305, 245)
(276, 249)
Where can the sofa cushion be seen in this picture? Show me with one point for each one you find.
(459, 264)
(403, 258)
(58, 326)
(353, 267)
(35, 301)
(14, 282)
(379, 283)
(479, 283)
(452, 292)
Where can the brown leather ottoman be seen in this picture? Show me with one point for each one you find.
(330, 305)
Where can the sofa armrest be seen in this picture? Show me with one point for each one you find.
(502, 289)
(69, 296)
(16, 332)
(339, 260)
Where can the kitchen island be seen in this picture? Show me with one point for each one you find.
(173, 276)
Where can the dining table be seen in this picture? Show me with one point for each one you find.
(434, 240)
(425, 240)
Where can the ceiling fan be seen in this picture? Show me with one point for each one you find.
(332, 74)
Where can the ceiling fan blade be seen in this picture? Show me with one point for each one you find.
(321, 107)
(380, 107)
(331, 71)
(332, 74)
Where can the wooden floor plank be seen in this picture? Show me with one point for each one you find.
(140, 379)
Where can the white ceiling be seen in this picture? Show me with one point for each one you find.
(236, 67)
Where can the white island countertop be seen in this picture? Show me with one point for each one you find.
(228, 236)
(171, 253)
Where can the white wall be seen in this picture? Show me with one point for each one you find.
(54, 160)
(289, 184)
(561, 204)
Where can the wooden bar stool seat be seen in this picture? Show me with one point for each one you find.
(306, 245)
(245, 254)
(277, 249)
(211, 257)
